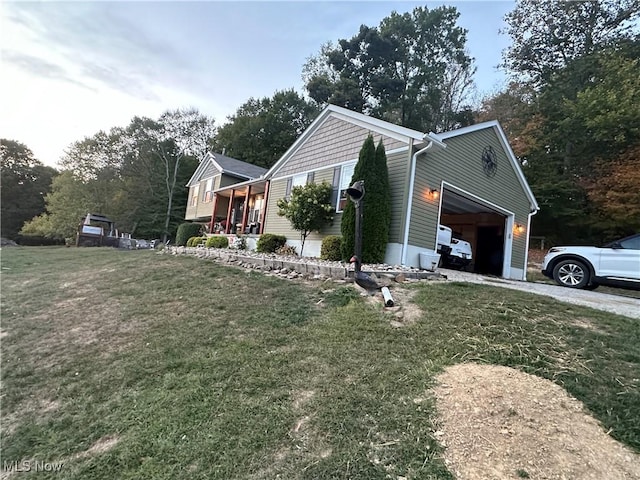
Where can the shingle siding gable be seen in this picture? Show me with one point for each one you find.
(335, 141)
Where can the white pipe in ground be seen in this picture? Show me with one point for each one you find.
(388, 299)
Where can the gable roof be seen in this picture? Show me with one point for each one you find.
(495, 125)
(365, 121)
(228, 165)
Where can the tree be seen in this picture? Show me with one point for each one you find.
(372, 168)
(513, 108)
(615, 194)
(547, 36)
(69, 200)
(180, 134)
(577, 65)
(24, 182)
(129, 174)
(308, 209)
(262, 130)
(412, 69)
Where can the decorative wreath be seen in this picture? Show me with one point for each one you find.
(489, 161)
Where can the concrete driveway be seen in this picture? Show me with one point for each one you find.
(627, 306)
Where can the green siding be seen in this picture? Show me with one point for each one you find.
(280, 225)
(397, 164)
(227, 180)
(460, 165)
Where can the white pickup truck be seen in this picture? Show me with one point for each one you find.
(454, 252)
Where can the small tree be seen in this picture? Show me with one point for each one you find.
(309, 209)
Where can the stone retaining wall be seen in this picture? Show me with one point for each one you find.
(304, 266)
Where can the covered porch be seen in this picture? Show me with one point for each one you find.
(239, 209)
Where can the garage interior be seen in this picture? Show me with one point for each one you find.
(479, 225)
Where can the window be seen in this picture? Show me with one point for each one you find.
(208, 191)
(299, 180)
(194, 195)
(632, 243)
(346, 173)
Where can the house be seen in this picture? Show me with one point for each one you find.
(215, 172)
(467, 179)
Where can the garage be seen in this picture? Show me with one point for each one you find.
(481, 224)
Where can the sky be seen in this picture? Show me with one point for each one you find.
(70, 69)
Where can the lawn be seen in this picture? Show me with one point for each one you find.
(136, 365)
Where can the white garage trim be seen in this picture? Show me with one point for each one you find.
(507, 271)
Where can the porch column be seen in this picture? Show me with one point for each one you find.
(263, 212)
(227, 228)
(213, 213)
(245, 210)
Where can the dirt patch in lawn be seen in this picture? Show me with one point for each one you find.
(499, 423)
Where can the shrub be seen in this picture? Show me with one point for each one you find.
(287, 250)
(217, 241)
(195, 241)
(186, 231)
(269, 243)
(331, 248)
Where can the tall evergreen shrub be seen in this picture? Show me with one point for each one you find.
(372, 168)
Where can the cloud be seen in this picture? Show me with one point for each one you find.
(40, 67)
(94, 43)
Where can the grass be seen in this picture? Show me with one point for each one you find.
(136, 365)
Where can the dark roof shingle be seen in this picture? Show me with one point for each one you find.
(231, 166)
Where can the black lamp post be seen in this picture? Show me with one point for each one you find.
(356, 194)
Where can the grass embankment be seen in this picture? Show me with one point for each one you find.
(135, 365)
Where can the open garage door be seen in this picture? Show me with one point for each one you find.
(483, 225)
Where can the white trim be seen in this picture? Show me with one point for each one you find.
(464, 130)
(508, 246)
(354, 163)
(475, 198)
(337, 164)
(389, 129)
(236, 186)
(412, 181)
(373, 124)
(509, 216)
(201, 167)
(519, 173)
(241, 175)
(505, 145)
(397, 130)
(517, 274)
(526, 246)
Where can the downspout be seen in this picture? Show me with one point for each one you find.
(412, 181)
(526, 247)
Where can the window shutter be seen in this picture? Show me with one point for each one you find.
(336, 186)
(288, 191)
(310, 177)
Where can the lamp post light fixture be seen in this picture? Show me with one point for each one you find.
(356, 194)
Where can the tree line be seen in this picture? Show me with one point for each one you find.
(570, 112)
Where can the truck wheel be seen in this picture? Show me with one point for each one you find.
(571, 273)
